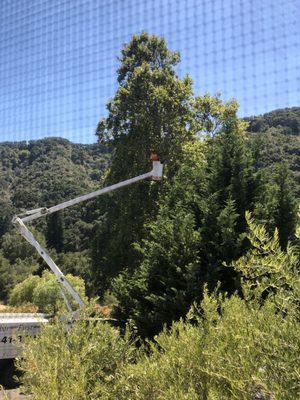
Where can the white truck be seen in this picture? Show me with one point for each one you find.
(15, 327)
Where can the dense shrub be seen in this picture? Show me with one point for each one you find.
(44, 292)
(236, 352)
(77, 364)
(228, 347)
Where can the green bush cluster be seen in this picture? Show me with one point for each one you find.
(75, 364)
(44, 292)
(228, 347)
(235, 352)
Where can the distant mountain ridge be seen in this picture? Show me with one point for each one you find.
(276, 136)
(285, 119)
(47, 171)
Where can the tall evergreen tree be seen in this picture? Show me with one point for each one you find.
(168, 279)
(276, 202)
(285, 215)
(151, 110)
(55, 231)
(285, 205)
(230, 188)
(6, 212)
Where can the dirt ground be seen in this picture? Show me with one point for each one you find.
(13, 394)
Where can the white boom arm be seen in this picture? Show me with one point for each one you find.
(19, 221)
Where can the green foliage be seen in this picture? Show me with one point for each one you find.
(77, 264)
(286, 206)
(18, 260)
(43, 173)
(157, 246)
(44, 292)
(239, 348)
(267, 270)
(6, 209)
(151, 110)
(228, 347)
(275, 139)
(76, 364)
(55, 231)
(286, 119)
(162, 287)
(276, 203)
(235, 352)
(230, 188)
(165, 284)
(14, 273)
(15, 247)
(229, 164)
(5, 271)
(22, 294)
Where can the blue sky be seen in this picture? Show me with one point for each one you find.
(58, 58)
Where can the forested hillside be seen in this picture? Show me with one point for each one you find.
(46, 172)
(276, 137)
(43, 173)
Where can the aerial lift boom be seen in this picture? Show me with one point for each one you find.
(20, 220)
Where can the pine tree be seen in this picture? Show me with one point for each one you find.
(163, 287)
(230, 190)
(286, 205)
(150, 111)
(55, 231)
(276, 203)
(6, 212)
